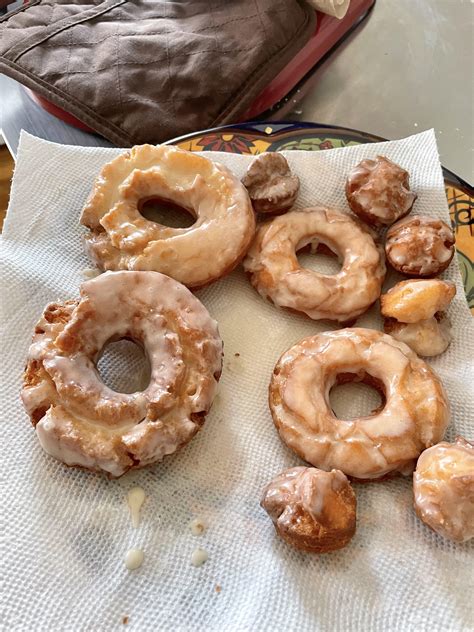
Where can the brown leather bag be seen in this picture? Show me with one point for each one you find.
(145, 71)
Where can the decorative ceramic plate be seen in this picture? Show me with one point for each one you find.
(255, 138)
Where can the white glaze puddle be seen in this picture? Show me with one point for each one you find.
(135, 500)
(134, 559)
(198, 557)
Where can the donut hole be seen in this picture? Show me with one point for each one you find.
(354, 396)
(166, 213)
(319, 258)
(124, 367)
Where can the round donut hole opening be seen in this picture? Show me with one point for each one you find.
(319, 258)
(124, 367)
(166, 213)
(354, 396)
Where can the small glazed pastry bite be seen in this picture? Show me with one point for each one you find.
(427, 338)
(378, 191)
(443, 486)
(311, 509)
(414, 314)
(415, 300)
(420, 246)
(270, 184)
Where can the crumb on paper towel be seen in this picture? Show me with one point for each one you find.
(199, 557)
(125, 620)
(197, 526)
(218, 588)
(234, 365)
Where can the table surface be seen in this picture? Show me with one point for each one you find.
(407, 68)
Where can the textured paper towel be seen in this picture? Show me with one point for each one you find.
(66, 532)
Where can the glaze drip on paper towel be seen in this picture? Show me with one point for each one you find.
(135, 500)
(134, 559)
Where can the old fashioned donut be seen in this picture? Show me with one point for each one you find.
(378, 191)
(311, 509)
(443, 486)
(120, 238)
(420, 246)
(272, 187)
(81, 421)
(276, 274)
(414, 314)
(414, 416)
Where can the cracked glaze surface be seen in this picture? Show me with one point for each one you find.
(443, 486)
(312, 509)
(414, 417)
(81, 421)
(378, 191)
(120, 238)
(276, 274)
(420, 246)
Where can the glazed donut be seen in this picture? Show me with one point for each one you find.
(427, 338)
(378, 191)
(413, 312)
(414, 416)
(276, 274)
(82, 422)
(420, 246)
(120, 238)
(271, 185)
(443, 486)
(311, 509)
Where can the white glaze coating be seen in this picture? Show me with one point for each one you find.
(443, 486)
(121, 238)
(312, 509)
(426, 337)
(419, 245)
(276, 274)
(378, 191)
(271, 185)
(304, 488)
(135, 500)
(81, 421)
(417, 299)
(414, 417)
(199, 557)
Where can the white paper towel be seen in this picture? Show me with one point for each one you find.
(66, 531)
